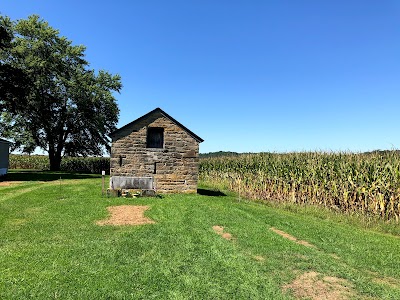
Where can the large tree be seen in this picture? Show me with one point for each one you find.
(62, 106)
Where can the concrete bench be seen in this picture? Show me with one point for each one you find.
(125, 182)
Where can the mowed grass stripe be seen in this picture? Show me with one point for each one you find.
(10, 193)
(15, 190)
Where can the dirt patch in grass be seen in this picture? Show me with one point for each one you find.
(334, 256)
(292, 238)
(312, 285)
(33, 210)
(126, 215)
(259, 257)
(390, 281)
(17, 222)
(220, 231)
(9, 183)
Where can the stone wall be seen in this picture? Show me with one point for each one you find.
(174, 167)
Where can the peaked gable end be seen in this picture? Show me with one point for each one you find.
(147, 119)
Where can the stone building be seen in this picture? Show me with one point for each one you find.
(159, 148)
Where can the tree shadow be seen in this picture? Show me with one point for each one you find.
(206, 192)
(35, 175)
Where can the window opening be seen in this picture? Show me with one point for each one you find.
(155, 137)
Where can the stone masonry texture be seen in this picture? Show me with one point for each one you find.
(173, 167)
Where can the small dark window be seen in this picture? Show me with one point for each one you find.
(155, 137)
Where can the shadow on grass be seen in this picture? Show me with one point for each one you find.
(206, 192)
(35, 175)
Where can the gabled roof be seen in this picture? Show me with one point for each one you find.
(164, 114)
(4, 141)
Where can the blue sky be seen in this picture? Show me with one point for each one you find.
(247, 76)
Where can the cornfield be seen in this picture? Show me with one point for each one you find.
(349, 182)
(89, 165)
(32, 162)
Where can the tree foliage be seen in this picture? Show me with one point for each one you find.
(13, 80)
(55, 101)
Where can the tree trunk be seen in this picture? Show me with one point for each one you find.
(55, 160)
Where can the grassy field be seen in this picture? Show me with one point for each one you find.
(52, 248)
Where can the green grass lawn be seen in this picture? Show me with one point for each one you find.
(51, 247)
